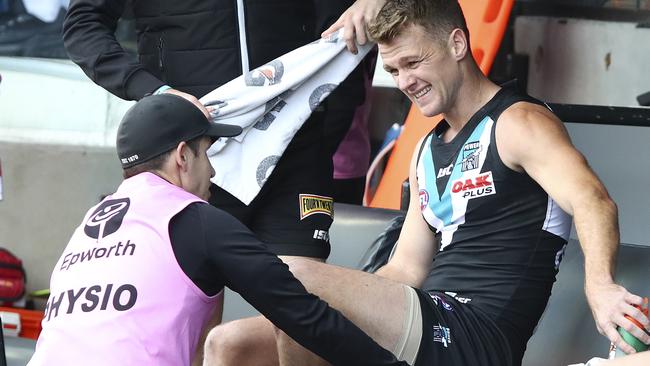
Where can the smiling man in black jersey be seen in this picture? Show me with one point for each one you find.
(493, 188)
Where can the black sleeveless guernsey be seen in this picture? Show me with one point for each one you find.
(502, 236)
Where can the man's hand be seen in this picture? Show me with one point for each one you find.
(609, 304)
(192, 99)
(355, 20)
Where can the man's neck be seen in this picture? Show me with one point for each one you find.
(474, 92)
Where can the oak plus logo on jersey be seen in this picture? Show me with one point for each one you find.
(475, 187)
(107, 218)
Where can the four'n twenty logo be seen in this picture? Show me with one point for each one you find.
(107, 218)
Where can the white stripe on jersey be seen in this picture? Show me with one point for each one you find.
(557, 221)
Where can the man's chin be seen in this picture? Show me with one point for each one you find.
(427, 109)
(429, 112)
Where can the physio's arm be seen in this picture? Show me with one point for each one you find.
(531, 139)
(89, 39)
(416, 245)
(248, 268)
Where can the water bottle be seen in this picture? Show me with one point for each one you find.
(639, 346)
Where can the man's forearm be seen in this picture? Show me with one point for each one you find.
(597, 227)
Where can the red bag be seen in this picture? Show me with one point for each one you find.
(12, 277)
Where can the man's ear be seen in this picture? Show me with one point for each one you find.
(458, 44)
(180, 155)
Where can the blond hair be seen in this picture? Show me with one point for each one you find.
(438, 17)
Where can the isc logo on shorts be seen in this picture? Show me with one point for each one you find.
(479, 186)
(311, 204)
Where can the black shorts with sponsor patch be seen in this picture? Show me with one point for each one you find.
(293, 212)
(457, 334)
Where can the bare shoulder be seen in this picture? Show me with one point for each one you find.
(527, 129)
(524, 116)
(527, 123)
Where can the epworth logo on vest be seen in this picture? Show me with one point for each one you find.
(107, 218)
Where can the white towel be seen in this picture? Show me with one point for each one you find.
(271, 103)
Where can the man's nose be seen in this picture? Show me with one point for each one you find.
(405, 80)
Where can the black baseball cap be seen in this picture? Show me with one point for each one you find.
(158, 123)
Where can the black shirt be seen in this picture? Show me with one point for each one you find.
(216, 250)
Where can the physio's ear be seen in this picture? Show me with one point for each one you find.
(180, 155)
(458, 44)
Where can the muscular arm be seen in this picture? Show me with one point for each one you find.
(243, 263)
(531, 139)
(89, 39)
(416, 245)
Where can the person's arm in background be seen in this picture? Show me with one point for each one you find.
(355, 21)
(547, 155)
(89, 38)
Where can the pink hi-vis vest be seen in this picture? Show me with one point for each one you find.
(118, 295)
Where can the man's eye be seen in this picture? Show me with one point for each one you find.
(413, 64)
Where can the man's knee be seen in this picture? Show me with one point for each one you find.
(242, 342)
(225, 340)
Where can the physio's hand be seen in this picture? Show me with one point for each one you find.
(609, 304)
(192, 99)
(355, 21)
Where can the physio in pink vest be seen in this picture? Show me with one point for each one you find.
(145, 270)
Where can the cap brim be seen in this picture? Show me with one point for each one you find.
(223, 130)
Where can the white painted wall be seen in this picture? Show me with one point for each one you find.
(50, 101)
(620, 156)
(579, 61)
